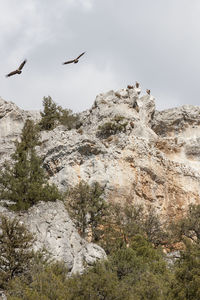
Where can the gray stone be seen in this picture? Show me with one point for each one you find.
(155, 162)
(53, 230)
(2, 296)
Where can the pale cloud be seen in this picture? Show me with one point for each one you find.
(74, 88)
(87, 4)
(154, 42)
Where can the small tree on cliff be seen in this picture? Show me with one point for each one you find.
(87, 208)
(189, 226)
(15, 249)
(50, 114)
(186, 283)
(25, 182)
(53, 115)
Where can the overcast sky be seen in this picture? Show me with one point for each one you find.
(155, 42)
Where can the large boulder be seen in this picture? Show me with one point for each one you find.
(54, 231)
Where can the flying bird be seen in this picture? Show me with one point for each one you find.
(148, 91)
(75, 61)
(18, 71)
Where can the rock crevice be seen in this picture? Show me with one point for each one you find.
(154, 160)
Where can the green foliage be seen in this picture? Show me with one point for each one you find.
(50, 114)
(15, 250)
(97, 283)
(51, 283)
(115, 126)
(138, 264)
(68, 119)
(189, 226)
(154, 230)
(25, 182)
(135, 270)
(138, 272)
(139, 255)
(136, 267)
(186, 284)
(48, 282)
(54, 115)
(123, 222)
(152, 287)
(87, 208)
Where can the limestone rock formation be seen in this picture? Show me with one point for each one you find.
(132, 150)
(12, 120)
(54, 231)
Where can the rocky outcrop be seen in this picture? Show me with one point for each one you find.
(53, 230)
(149, 156)
(154, 162)
(12, 120)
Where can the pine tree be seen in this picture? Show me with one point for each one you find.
(87, 208)
(15, 249)
(50, 114)
(97, 209)
(68, 119)
(186, 284)
(54, 115)
(25, 182)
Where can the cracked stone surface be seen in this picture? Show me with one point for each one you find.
(155, 162)
(54, 231)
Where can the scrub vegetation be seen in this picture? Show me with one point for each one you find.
(137, 243)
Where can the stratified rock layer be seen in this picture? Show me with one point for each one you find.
(155, 160)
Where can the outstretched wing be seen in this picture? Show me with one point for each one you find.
(22, 65)
(68, 62)
(80, 55)
(12, 73)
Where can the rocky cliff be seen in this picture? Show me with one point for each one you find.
(55, 232)
(149, 156)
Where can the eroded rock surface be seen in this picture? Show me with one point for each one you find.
(54, 231)
(154, 160)
(12, 120)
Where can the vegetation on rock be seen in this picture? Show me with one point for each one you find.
(115, 126)
(87, 208)
(186, 284)
(15, 250)
(134, 271)
(123, 222)
(189, 227)
(54, 115)
(25, 181)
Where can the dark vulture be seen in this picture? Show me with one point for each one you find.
(137, 84)
(136, 106)
(129, 87)
(18, 71)
(75, 61)
(148, 91)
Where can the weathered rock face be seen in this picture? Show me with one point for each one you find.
(154, 160)
(11, 123)
(54, 231)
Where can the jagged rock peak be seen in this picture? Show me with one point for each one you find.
(12, 119)
(150, 157)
